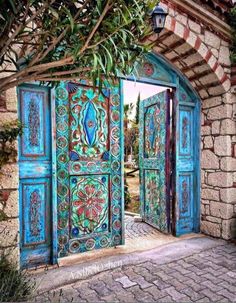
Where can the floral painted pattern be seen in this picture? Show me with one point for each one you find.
(89, 200)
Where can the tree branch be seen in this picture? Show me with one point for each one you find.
(106, 9)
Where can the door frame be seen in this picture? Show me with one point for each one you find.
(175, 85)
(177, 77)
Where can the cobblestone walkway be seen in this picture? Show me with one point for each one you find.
(209, 276)
(138, 229)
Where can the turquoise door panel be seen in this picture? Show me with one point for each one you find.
(187, 164)
(89, 179)
(153, 156)
(35, 176)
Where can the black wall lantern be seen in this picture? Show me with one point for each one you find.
(158, 16)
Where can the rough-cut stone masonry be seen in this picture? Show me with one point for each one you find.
(9, 181)
(196, 42)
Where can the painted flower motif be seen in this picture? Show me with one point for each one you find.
(90, 202)
(148, 69)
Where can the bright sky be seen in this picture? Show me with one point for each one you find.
(131, 90)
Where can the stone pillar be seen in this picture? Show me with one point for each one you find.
(9, 184)
(218, 163)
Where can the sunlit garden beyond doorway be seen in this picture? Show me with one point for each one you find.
(133, 93)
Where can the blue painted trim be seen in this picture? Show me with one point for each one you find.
(149, 81)
(161, 59)
(122, 160)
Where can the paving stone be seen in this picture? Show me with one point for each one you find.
(126, 282)
(211, 295)
(142, 282)
(155, 292)
(161, 284)
(175, 295)
(212, 286)
(203, 300)
(183, 280)
(110, 298)
(227, 294)
(141, 296)
(194, 296)
(177, 285)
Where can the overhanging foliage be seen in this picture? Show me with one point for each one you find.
(62, 39)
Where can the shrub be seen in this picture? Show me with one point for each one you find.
(15, 285)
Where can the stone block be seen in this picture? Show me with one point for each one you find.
(210, 228)
(208, 142)
(209, 160)
(9, 232)
(228, 127)
(210, 194)
(229, 229)
(203, 49)
(211, 78)
(203, 212)
(195, 27)
(203, 119)
(13, 254)
(224, 55)
(222, 146)
(220, 112)
(213, 219)
(221, 210)
(215, 52)
(7, 117)
(207, 209)
(192, 39)
(215, 127)
(205, 130)
(229, 98)
(182, 19)
(11, 99)
(212, 39)
(203, 93)
(228, 164)
(211, 102)
(217, 90)
(11, 205)
(228, 195)
(9, 177)
(220, 179)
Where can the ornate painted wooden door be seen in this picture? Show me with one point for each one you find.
(35, 175)
(89, 180)
(187, 144)
(153, 160)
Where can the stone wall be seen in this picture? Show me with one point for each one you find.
(218, 165)
(201, 52)
(9, 181)
(197, 43)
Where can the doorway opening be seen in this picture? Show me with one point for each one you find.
(147, 158)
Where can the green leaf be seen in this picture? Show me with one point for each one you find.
(71, 19)
(109, 60)
(54, 13)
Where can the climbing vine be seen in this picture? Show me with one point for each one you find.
(8, 134)
(232, 21)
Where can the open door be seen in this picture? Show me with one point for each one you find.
(154, 160)
(35, 170)
(89, 179)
